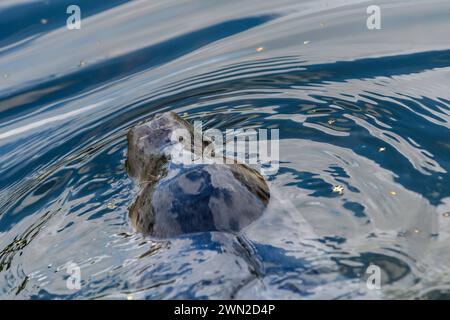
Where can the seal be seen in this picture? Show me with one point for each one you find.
(176, 198)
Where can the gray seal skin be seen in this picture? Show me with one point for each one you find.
(177, 198)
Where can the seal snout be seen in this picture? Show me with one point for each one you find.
(147, 143)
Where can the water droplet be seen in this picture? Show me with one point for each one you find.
(44, 21)
(111, 205)
(338, 189)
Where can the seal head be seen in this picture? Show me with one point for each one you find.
(177, 198)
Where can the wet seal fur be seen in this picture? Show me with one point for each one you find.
(176, 198)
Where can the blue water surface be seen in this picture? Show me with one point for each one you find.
(368, 110)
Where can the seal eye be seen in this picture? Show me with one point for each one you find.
(180, 139)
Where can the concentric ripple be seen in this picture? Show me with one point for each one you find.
(368, 111)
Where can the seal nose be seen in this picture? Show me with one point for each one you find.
(146, 144)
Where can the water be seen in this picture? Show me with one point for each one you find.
(365, 109)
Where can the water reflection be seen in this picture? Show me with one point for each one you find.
(366, 111)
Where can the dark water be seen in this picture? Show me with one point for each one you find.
(365, 109)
